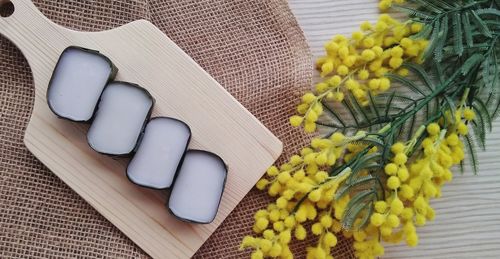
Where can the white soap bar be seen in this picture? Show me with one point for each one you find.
(160, 153)
(120, 118)
(198, 188)
(77, 83)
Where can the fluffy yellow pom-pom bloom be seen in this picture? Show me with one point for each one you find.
(397, 147)
(308, 98)
(262, 183)
(321, 158)
(469, 114)
(276, 250)
(462, 129)
(374, 84)
(384, 5)
(274, 215)
(315, 195)
(452, 139)
(412, 239)
(406, 42)
(363, 74)
(273, 171)
(337, 138)
(326, 221)
(406, 191)
(317, 229)
(290, 222)
(338, 96)
(330, 239)
(309, 127)
(420, 220)
(416, 27)
(407, 213)
(397, 206)
(357, 35)
(403, 72)
(393, 182)
(321, 87)
(283, 177)
(261, 223)
(380, 206)
(378, 50)
(296, 120)
(281, 203)
(400, 159)
(335, 80)
(300, 232)
(311, 116)
(343, 51)
(433, 129)
(397, 52)
(377, 219)
(285, 237)
(257, 254)
(393, 220)
(368, 55)
(342, 70)
(368, 42)
(391, 169)
(326, 68)
(365, 26)
(380, 26)
(395, 62)
(248, 241)
(265, 245)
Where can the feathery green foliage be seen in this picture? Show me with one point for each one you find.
(461, 59)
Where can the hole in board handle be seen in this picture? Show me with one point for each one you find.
(6, 8)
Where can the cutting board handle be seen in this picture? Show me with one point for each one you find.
(28, 28)
(22, 8)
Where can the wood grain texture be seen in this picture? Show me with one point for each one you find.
(182, 89)
(467, 223)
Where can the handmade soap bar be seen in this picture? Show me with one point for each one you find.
(77, 83)
(80, 83)
(160, 153)
(121, 114)
(198, 188)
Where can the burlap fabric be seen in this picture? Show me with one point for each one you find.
(255, 49)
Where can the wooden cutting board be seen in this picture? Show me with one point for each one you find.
(182, 89)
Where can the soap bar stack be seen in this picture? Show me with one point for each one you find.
(82, 90)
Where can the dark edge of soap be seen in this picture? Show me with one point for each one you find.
(111, 76)
(146, 119)
(220, 198)
(179, 165)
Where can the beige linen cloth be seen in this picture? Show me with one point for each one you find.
(254, 48)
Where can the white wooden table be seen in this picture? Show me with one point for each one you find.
(467, 223)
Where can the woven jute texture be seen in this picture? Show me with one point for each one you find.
(254, 48)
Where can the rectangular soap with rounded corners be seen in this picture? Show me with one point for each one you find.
(160, 153)
(120, 118)
(197, 191)
(77, 83)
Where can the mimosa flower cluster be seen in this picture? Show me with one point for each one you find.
(305, 192)
(372, 180)
(359, 64)
(410, 186)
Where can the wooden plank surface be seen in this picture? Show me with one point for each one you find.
(182, 89)
(467, 223)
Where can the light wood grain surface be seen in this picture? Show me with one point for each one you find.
(182, 89)
(467, 223)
